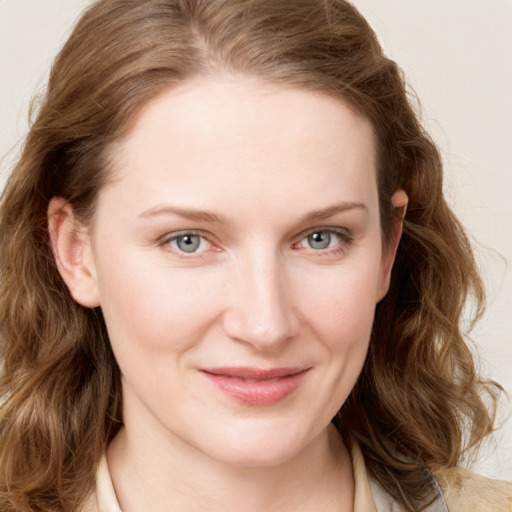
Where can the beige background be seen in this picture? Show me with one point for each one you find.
(456, 54)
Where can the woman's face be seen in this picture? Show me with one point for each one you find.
(238, 261)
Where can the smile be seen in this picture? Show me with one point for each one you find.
(256, 387)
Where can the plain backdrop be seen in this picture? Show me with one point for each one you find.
(456, 54)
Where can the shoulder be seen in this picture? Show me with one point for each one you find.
(465, 491)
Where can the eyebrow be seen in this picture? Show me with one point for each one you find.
(205, 216)
(187, 213)
(330, 211)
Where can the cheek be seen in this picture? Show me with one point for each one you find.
(341, 304)
(153, 307)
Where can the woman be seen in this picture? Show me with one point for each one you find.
(228, 275)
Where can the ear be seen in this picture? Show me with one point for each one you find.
(72, 252)
(399, 201)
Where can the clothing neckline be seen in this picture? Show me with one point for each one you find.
(369, 495)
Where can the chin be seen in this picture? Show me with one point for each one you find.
(254, 457)
(261, 447)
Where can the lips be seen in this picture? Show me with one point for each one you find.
(255, 386)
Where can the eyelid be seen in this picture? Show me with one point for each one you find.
(342, 232)
(165, 242)
(346, 235)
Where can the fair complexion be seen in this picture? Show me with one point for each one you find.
(239, 236)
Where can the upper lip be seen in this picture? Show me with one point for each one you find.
(254, 373)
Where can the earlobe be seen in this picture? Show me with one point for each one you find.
(399, 200)
(72, 252)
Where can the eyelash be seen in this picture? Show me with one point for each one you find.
(346, 238)
(166, 241)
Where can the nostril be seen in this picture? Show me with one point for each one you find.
(265, 332)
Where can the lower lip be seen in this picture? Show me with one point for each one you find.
(257, 392)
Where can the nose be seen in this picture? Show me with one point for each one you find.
(261, 310)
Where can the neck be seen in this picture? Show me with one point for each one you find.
(154, 474)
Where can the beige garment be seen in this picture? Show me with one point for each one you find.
(464, 492)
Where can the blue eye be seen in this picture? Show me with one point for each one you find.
(188, 243)
(323, 239)
(320, 240)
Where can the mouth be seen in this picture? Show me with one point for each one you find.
(255, 386)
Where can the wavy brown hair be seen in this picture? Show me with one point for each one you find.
(60, 385)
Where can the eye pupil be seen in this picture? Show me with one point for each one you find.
(188, 243)
(319, 240)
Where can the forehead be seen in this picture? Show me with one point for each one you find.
(206, 138)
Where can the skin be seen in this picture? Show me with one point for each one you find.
(270, 165)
